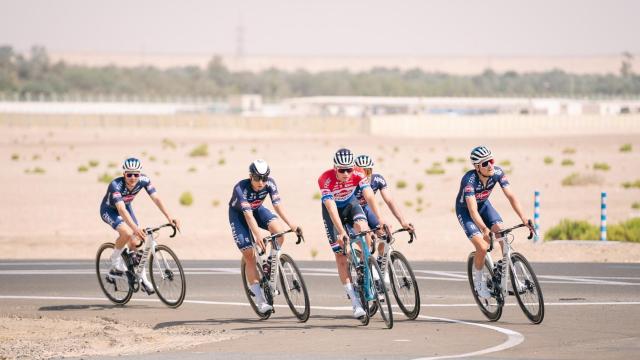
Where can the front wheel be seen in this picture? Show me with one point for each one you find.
(294, 289)
(404, 285)
(167, 276)
(527, 289)
(380, 293)
(491, 307)
(250, 295)
(114, 285)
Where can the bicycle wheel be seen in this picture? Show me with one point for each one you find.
(404, 285)
(167, 276)
(380, 290)
(294, 289)
(250, 295)
(357, 280)
(115, 287)
(526, 288)
(491, 308)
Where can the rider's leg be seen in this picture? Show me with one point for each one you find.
(481, 251)
(275, 227)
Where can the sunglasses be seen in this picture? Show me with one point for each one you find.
(262, 178)
(130, 175)
(486, 163)
(345, 171)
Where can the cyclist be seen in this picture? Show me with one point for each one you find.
(475, 213)
(339, 203)
(246, 214)
(116, 210)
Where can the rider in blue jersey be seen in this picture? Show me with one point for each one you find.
(247, 215)
(116, 210)
(475, 213)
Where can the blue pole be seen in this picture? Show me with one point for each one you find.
(536, 215)
(603, 216)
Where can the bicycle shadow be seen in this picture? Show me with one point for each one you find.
(95, 307)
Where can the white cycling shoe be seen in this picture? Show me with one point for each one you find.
(264, 307)
(358, 311)
(483, 290)
(117, 264)
(147, 286)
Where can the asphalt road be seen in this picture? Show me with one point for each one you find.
(592, 312)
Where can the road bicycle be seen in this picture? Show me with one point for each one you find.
(524, 283)
(366, 277)
(278, 266)
(400, 274)
(167, 276)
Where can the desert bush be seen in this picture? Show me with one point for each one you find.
(396, 149)
(465, 170)
(152, 158)
(436, 169)
(419, 186)
(401, 184)
(83, 168)
(548, 160)
(416, 160)
(36, 170)
(254, 150)
(192, 169)
(168, 144)
(569, 151)
(94, 163)
(419, 200)
(408, 203)
(314, 253)
(201, 150)
(221, 161)
(15, 157)
(215, 203)
(567, 162)
(316, 196)
(450, 159)
(626, 148)
(111, 164)
(105, 178)
(461, 160)
(418, 209)
(186, 199)
(576, 179)
(505, 163)
(631, 184)
(573, 230)
(601, 166)
(36, 157)
(626, 231)
(636, 205)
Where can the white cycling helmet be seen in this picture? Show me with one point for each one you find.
(343, 158)
(132, 164)
(480, 154)
(259, 167)
(364, 161)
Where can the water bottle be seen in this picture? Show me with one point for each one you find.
(266, 267)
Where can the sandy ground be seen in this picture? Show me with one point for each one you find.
(55, 214)
(22, 337)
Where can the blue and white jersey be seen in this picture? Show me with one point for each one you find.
(377, 183)
(117, 191)
(244, 198)
(472, 186)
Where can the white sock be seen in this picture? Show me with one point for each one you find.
(478, 275)
(348, 288)
(116, 254)
(257, 291)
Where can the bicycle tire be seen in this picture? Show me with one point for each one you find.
(164, 279)
(379, 289)
(108, 284)
(251, 295)
(531, 286)
(358, 289)
(297, 284)
(405, 284)
(492, 315)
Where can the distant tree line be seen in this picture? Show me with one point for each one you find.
(36, 75)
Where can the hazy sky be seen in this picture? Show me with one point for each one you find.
(326, 27)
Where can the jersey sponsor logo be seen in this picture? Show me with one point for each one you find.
(256, 203)
(468, 189)
(326, 183)
(483, 195)
(128, 198)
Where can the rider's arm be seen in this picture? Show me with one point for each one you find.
(280, 210)
(472, 206)
(515, 204)
(156, 200)
(253, 225)
(122, 210)
(371, 201)
(388, 199)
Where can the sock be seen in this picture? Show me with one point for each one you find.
(255, 288)
(348, 287)
(116, 254)
(477, 276)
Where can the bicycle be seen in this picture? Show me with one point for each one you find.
(403, 281)
(368, 284)
(524, 283)
(167, 276)
(280, 266)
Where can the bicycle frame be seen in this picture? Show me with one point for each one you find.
(387, 241)
(358, 263)
(276, 251)
(150, 247)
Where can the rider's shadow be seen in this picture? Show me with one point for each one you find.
(99, 307)
(285, 323)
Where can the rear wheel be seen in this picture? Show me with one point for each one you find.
(404, 285)
(380, 291)
(167, 276)
(264, 284)
(114, 285)
(294, 289)
(527, 289)
(491, 307)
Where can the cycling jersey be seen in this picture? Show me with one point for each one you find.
(472, 186)
(118, 191)
(342, 192)
(244, 198)
(377, 183)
